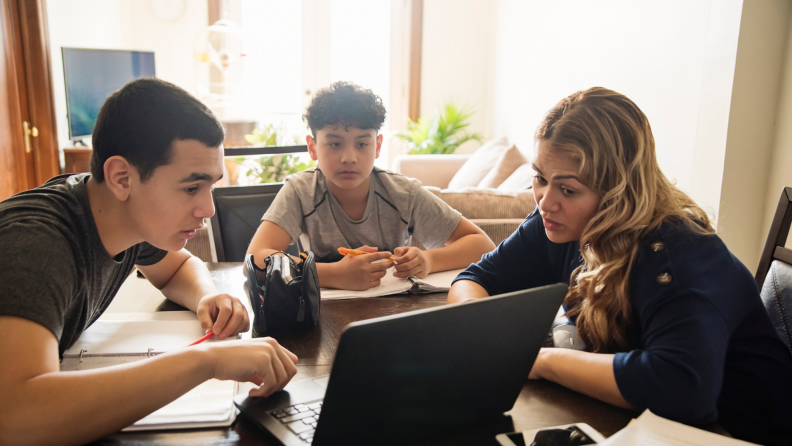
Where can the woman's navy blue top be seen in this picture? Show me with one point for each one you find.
(707, 351)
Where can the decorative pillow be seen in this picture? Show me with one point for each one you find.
(506, 164)
(479, 164)
(522, 178)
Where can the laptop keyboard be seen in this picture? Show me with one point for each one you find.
(300, 419)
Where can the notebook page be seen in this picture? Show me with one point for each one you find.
(652, 430)
(388, 285)
(134, 337)
(210, 404)
(437, 282)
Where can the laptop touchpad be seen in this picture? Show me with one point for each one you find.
(322, 380)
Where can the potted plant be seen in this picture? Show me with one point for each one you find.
(440, 134)
(271, 168)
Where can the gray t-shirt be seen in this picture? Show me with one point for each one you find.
(54, 269)
(397, 208)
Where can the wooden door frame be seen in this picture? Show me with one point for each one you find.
(27, 96)
(12, 153)
(416, 54)
(38, 74)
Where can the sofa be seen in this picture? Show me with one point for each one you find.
(499, 212)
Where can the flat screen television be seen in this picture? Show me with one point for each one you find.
(92, 75)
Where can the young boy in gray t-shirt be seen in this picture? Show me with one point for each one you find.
(347, 202)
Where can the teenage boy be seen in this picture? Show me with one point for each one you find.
(67, 247)
(347, 202)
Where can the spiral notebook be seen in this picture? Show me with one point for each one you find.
(119, 338)
(389, 285)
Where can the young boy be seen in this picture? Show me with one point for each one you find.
(347, 202)
(67, 247)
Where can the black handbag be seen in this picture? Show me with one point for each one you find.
(284, 294)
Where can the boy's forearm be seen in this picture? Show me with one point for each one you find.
(327, 275)
(461, 253)
(77, 407)
(189, 284)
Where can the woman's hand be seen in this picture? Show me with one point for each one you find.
(411, 261)
(223, 315)
(261, 361)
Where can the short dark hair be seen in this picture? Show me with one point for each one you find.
(346, 104)
(141, 121)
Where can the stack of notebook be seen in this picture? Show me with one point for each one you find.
(119, 338)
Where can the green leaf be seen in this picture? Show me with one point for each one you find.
(440, 134)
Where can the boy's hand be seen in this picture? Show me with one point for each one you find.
(411, 261)
(224, 315)
(358, 273)
(261, 361)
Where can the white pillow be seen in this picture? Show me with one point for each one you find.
(522, 178)
(506, 164)
(479, 164)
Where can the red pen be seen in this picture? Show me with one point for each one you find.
(206, 336)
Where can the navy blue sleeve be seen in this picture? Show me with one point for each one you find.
(688, 295)
(527, 259)
(679, 372)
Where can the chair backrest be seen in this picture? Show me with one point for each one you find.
(774, 274)
(238, 212)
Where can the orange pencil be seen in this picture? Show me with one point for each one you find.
(355, 252)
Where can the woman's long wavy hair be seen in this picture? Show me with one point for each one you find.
(610, 139)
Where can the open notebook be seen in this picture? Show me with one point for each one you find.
(433, 283)
(119, 338)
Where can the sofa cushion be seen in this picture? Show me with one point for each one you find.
(479, 164)
(505, 165)
(522, 178)
(475, 203)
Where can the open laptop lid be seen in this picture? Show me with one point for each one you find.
(406, 376)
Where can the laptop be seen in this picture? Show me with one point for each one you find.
(401, 378)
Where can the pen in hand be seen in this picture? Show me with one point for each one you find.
(355, 252)
(205, 337)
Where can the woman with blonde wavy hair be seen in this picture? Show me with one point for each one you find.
(662, 315)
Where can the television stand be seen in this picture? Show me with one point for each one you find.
(77, 159)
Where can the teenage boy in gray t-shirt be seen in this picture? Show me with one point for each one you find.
(67, 246)
(347, 202)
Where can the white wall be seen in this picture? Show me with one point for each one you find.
(654, 52)
(764, 30)
(780, 171)
(123, 24)
(713, 76)
(456, 62)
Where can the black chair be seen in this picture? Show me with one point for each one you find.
(774, 274)
(238, 212)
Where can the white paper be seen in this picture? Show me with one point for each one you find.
(210, 404)
(389, 285)
(117, 338)
(652, 430)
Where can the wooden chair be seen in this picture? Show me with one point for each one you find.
(774, 274)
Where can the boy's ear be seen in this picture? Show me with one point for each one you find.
(311, 147)
(379, 145)
(119, 175)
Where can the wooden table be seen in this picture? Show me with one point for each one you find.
(540, 403)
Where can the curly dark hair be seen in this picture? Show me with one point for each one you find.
(347, 104)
